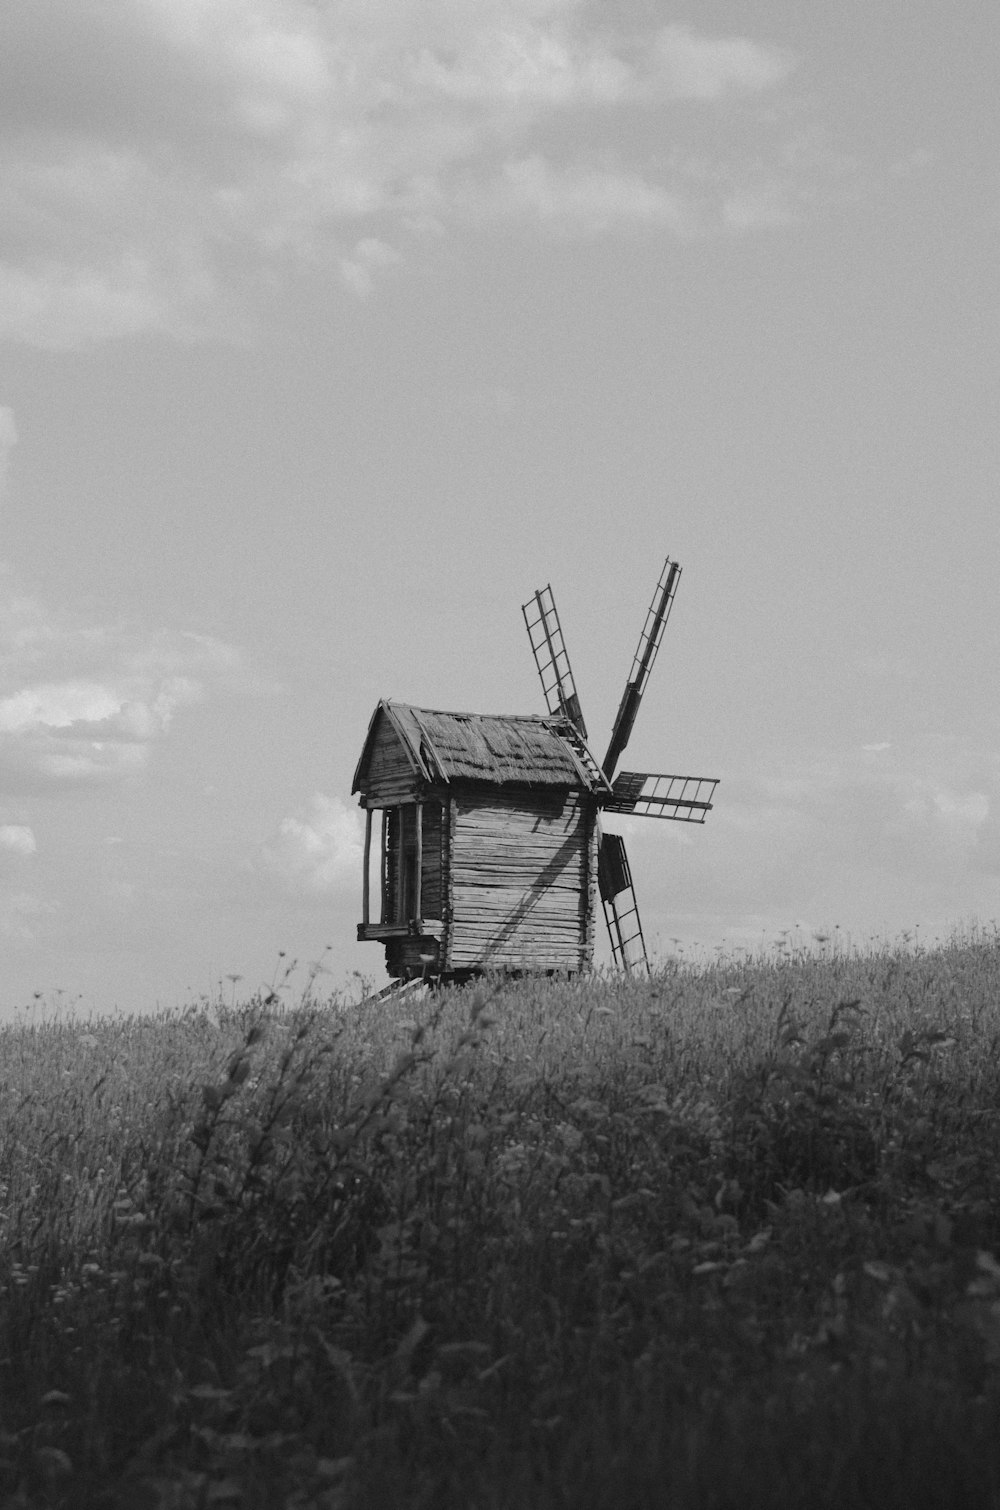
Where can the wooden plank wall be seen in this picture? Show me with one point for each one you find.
(520, 881)
(431, 884)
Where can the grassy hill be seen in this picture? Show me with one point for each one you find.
(728, 1237)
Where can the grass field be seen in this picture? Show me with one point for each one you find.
(726, 1238)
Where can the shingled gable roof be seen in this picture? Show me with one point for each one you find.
(495, 748)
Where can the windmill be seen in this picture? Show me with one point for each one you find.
(685, 799)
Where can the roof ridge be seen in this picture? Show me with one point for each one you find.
(550, 719)
(494, 749)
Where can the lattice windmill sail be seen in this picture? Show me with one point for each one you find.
(687, 799)
(549, 650)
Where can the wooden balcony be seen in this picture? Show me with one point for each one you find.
(432, 928)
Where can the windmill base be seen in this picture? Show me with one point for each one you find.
(427, 969)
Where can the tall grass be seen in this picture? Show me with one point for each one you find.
(724, 1238)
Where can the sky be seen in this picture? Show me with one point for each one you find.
(331, 331)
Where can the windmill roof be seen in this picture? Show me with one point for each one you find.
(495, 748)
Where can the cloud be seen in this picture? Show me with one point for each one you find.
(60, 706)
(874, 841)
(20, 912)
(84, 731)
(162, 160)
(17, 838)
(696, 67)
(318, 850)
(590, 199)
(750, 206)
(53, 305)
(857, 834)
(369, 256)
(517, 60)
(8, 439)
(86, 703)
(879, 812)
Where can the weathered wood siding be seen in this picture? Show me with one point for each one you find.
(432, 887)
(520, 881)
(391, 777)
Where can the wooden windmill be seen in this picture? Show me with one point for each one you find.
(491, 849)
(687, 799)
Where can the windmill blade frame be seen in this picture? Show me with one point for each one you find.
(686, 799)
(621, 910)
(642, 663)
(548, 647)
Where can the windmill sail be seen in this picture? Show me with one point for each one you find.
(685, 798)
(549, 650)
(621, 911)
(642, 663)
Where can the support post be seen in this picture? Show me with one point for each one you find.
(365, 888)
(417, 898)
(400, 889)
(385, 866)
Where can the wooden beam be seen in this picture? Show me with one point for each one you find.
(432, 928)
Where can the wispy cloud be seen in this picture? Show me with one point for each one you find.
(17, 839)
(368, 257)
(317, 850)
(8, 439)
(85, 731)
(750, 206)
(160, 156)
(87, 703)
(577, 197)
(53, 304)
(872, 839)
(20, 914)
(697, 67)
(898, 815)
